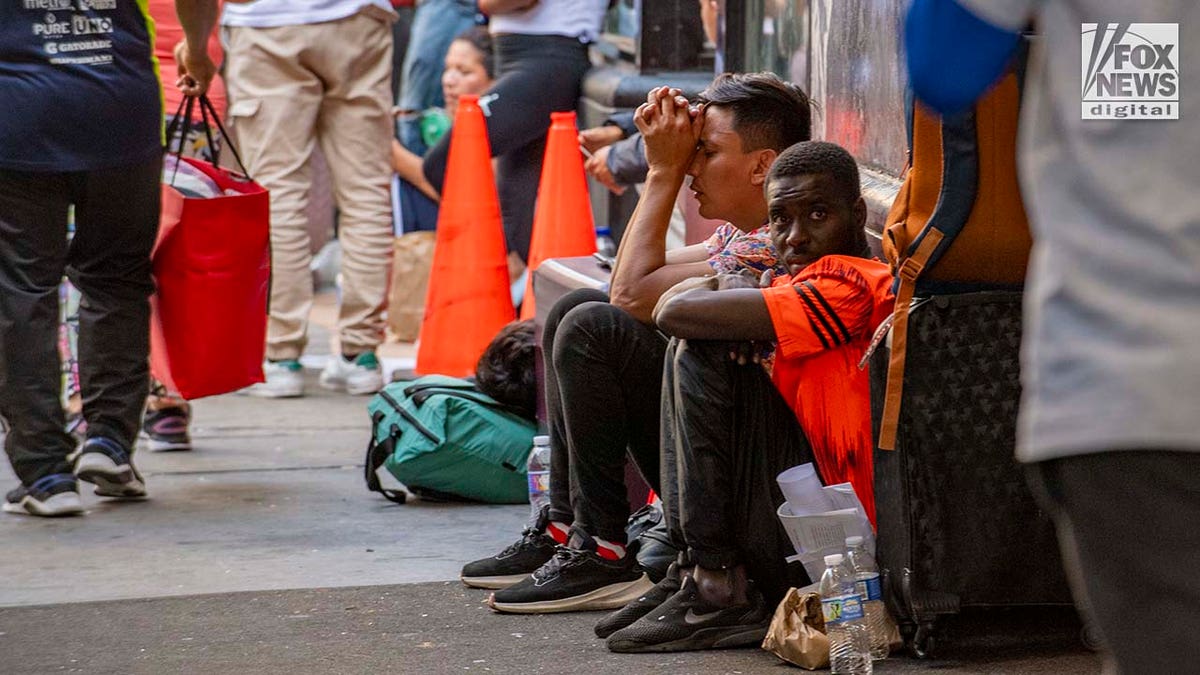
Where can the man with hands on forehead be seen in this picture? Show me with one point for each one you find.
(729, 428)
(603, 357)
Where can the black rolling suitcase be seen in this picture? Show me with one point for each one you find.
(957, 525)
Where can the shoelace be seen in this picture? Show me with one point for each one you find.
(527, 539)
(563, 557)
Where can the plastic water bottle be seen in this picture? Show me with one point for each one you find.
(849, 642)
(605, 245)
(866, 578)
(538, 470)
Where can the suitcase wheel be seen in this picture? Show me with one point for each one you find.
(1089, 635)
(923, 642)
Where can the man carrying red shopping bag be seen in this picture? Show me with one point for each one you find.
(83, 126)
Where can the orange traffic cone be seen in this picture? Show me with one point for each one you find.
(469, 299)
(562, 223)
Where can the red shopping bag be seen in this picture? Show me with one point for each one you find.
(212, 270)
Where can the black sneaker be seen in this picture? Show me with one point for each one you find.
(685, 623)
(516, 562)
(166, 429)
(575, 579)
(105, 463)
(53, 495)
(641, 606)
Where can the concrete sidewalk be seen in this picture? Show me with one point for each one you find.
(271, 497)
(261, 551)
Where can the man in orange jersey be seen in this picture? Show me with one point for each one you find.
(730, 428)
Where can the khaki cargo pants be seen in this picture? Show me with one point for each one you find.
(290, 88)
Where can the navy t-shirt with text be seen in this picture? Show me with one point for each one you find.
(79, 86)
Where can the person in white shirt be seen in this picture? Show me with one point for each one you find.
(1110, 370)
(541, 58)
(302, 73)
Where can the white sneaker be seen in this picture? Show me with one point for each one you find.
(284, 379)
(362, 375)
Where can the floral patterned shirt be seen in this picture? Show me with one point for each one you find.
(730, 250)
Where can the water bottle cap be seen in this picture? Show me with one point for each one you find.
(603, 230)
(541, 440)
(854, 541)
(833, 559)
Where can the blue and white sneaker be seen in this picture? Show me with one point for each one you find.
(105, 463)
(53, 495)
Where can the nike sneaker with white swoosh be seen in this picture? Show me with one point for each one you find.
(575, 579)
(686, 623)
(643, 605)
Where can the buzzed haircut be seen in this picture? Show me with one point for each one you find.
(768, 113)
(820, 157)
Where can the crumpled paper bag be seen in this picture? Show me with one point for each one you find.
(797, 632)
(412, 258)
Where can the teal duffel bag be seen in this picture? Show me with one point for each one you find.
(444, 439)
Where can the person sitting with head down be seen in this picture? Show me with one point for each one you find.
(603, 358)
(730, 430)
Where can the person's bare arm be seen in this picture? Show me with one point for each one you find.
(688, 254)
(642, 272)
(407, 165)
(594, 138)
(703, 313)
(196, 69)
(491, 7)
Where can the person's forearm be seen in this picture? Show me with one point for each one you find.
(491, 7)
(407, 165)
(644, 246)
(709, 283)
(701, 313)
(197, 17)
(433, 164)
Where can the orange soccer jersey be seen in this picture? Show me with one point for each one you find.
(824, 317)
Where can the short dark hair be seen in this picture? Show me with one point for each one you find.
(479, 38)
(830, 159)
(507, 369)
(768, 113)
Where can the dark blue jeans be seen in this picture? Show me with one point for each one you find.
(108, 260)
